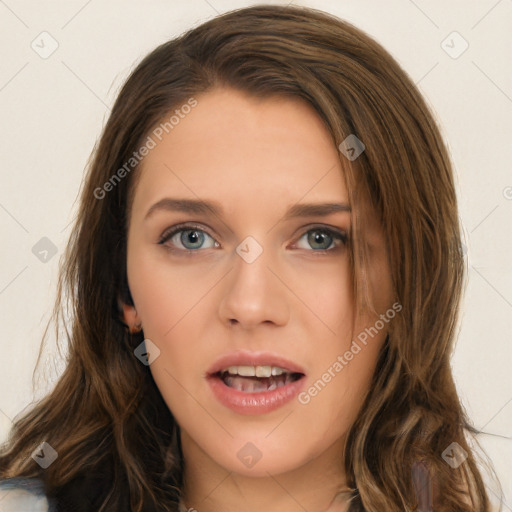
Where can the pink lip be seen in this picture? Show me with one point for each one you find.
(253, 403)
(246, 358)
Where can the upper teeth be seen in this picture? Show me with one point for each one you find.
(256, 371)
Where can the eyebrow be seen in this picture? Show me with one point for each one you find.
(197, 206)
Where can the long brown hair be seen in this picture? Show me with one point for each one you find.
(117, 442)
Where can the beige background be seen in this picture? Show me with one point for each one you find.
(52, 110)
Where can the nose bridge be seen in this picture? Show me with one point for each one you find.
(253, 295)
(251, 261)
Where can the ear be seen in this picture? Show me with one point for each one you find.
(130, 316)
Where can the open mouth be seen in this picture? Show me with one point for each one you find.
(255, 383)
(257, 379)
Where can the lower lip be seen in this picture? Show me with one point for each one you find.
(260, 402)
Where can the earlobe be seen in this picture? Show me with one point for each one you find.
(131, 318)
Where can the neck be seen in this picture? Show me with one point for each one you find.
(316, 486)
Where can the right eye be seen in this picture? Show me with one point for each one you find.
(187, 238)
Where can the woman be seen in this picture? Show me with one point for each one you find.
(264, 282)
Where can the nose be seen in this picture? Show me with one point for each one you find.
(253, 295)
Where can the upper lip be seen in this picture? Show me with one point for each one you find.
(246, 358)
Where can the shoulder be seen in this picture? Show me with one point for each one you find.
(23, 494)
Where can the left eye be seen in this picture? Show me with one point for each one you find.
(320, 239)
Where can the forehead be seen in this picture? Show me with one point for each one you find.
(245, 149)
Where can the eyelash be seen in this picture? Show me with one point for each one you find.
(167, 235)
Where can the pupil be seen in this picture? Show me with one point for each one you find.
(194, 238)
(319, 237)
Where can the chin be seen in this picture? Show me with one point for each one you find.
(259, 458)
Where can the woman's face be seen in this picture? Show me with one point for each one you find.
(238, 265)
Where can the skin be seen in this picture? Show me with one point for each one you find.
(257, 157)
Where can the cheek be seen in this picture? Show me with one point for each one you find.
(165, 294)
(337, 391)
(175, 307)
(323, 293)
(344, 361)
